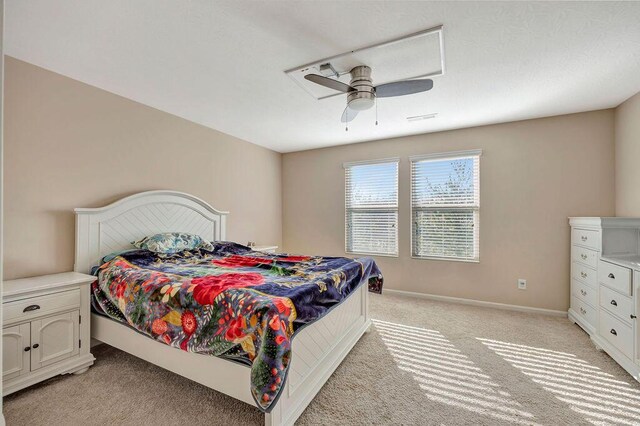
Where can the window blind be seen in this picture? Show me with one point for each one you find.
(371, 201)
(445, 206)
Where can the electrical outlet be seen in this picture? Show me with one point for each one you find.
(522, 284)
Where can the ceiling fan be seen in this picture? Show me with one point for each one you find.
(361, 93)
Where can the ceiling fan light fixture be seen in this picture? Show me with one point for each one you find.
(361, 104)
(362, 94)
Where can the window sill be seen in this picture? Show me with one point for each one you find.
(371, 254)
(447, 259)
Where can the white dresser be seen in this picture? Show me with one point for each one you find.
(46, 329)
(605, 281)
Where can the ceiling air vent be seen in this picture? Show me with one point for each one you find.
(422, 117)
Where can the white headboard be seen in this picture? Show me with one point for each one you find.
(103, 230)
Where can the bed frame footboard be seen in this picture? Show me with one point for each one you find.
(316, 352)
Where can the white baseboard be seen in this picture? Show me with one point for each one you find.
(95, 342)
(472, 302)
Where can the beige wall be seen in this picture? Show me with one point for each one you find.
(70, 145)
(627, 137)
(534, 174)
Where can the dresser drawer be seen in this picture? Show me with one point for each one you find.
(585, 274)
(615, 277)
(24, 310)
(585, 311)
(617, 304)
(616, 332)
(585, 238)
(584, 292)
(584, 255)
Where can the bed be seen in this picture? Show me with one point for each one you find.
(314, 353)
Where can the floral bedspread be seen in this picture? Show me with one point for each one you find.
(231, 302)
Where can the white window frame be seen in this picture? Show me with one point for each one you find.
(445, 156)
(347, 209)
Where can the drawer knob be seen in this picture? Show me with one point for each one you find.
(27, 349)
(632, 316)
(31, 308)
(614, 332)
(583, 238)
(583, 274)
(613, 277)
(583, 256)
(584, 293)
(614, 303)
(583, 311)
(36, 346)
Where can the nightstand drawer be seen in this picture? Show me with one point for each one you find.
(615, 277)
(24, 310)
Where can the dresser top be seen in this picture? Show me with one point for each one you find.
(606, 221)
(12, 288)
(631, 261)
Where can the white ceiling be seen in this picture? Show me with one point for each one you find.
(222, 63)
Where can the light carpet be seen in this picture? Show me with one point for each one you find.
(425, 362)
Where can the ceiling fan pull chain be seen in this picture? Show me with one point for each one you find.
(376, 112)
(346, 124)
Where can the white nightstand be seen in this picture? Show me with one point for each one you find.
(266, 249)
(46, 328)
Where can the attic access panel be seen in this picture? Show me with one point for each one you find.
(417, 55)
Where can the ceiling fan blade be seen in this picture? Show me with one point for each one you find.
(401, 88)
(348, 114)
(329, 82)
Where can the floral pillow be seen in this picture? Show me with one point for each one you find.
(172, 242)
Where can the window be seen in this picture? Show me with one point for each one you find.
(371, 201)
(445, 206)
